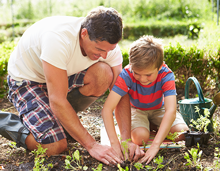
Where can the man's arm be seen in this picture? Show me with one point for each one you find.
(167, 121)
(57, 84)
(116, 71)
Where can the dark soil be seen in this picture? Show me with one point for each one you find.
(18, 159)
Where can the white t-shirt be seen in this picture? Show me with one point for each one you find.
(56, 41)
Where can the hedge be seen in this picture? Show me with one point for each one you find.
(162, 29)
(184, 62)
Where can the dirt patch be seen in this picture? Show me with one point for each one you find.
(18, 159)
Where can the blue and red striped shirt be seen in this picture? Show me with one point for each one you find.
(146, 97)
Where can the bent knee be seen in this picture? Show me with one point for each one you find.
(99, 78)
(140, 136)
(56, 147)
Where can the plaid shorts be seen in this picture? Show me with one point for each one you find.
(31, 100)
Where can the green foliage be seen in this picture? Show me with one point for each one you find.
(99, 168)
(162, 29)
(5, 50)
(158, 161)
(196, 156)
(173, 136)
(39, 159)
(130, 9)
(124, 145)
(74, 159)
(202, 122)
(121, 168)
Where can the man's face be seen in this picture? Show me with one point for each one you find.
(94, 50)
(145, 76)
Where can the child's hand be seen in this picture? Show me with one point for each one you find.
(150, 154)
(133, 152)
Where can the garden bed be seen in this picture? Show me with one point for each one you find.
(17, 159)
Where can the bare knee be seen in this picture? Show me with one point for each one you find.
(140, 135)
(97, 80)
(179, 128)
(52, 148)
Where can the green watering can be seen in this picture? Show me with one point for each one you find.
(187, 106)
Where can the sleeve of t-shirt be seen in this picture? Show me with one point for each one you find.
(114, 57)
(168, 84)
(54, 50)
(122, 83)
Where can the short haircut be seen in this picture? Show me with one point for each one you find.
(103, 24)
(146, 52)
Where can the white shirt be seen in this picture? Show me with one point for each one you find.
(56, 41)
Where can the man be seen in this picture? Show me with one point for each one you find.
(59, 67)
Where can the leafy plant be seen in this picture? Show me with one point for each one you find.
(99, 168)
(173, 136)
(39, 159)
(75, 159)
(124, 145)
(158, 161)
(202, 122)
(121, 168)
(196, 156)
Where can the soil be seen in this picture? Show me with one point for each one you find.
(18, 159)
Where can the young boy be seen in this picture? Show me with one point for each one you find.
(150, 85)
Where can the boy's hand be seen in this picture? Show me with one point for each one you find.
(133, 153)
(150, 154)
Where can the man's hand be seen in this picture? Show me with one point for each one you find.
(105, 154)
(133, 151)
(150, 154)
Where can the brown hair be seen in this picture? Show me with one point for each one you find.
(145, 52)
(103, 24)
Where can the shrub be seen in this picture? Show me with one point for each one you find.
(162, 29)
(5, 50)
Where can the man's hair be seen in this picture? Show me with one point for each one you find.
(103, 24)
(146, 52)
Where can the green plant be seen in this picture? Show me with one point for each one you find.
(99, 168)
(122, 169)
(173, 136)
(75, 159)
(196, 156)
(39, 159)
(124, 145)
(202, 122)
(138, 166)
(158, 161)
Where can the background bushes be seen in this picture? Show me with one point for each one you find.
(162, 29)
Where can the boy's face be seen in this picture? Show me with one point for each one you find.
(146, 76)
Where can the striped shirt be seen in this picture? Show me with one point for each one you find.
(146, 97)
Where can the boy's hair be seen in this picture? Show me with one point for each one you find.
(103, 24)
(146, 52)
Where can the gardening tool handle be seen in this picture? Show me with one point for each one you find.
(198, 87)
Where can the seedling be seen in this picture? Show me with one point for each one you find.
(39, 159)
(75, 159)
(159, 162)
(122, 169)
(196, 156)
(99, 168)
(124, 144)
(173, 136)
(202, 122)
